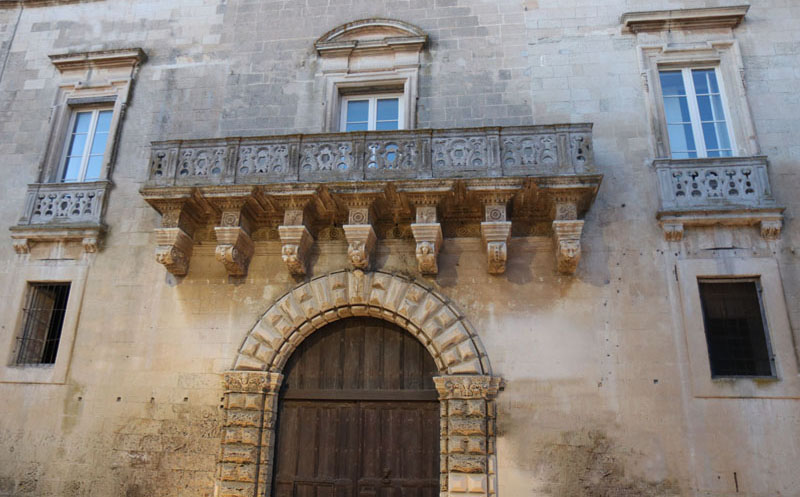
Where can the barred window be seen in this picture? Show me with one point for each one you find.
(736, 333)
(43, 318)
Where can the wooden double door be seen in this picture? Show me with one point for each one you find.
(358, 415)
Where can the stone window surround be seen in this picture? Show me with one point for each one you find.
(786, 384)
(89, 80)
(723, 55)
(368, 55)
(466, 386)
(63, 271)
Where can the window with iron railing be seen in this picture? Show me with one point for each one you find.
(42, 321)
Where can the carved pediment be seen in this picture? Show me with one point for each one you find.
(371, 34)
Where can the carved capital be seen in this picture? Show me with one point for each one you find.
(296, 242)
(467, 386)
(174, 250)
(252, 381)
(567, 237)
(234, 249)
(429, 241)
(496, 235)
(361, 241)
(771, 229)
(673, 232)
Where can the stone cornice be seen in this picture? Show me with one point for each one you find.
(682, 19)
(365, 36)
(101, 59)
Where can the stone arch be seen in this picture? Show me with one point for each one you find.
(421, 310)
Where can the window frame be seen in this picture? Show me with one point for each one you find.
(12, 318)
(765, 326)
(372, 98)
(67, 138)
(784, 341)
(694, 109)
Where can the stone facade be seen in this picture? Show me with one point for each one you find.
(528, 227)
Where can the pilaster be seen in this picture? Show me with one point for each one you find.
(468, 454)
(248, 436)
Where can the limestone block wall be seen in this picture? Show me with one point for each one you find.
(598, 395)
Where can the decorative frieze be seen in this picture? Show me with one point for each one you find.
(567, 238)
(732, 191)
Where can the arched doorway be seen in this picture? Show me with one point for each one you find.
(358, 415)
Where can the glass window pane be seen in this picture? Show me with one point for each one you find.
(722, 135)
(677, 110)
(681, 138)
(357, 111)
(93, 168)
(704, 104)
(356, 127)
(72, 169)
(99, 143)
(386, 125)
(700, 78)
(672, 83)
(103, 121)
(710, 136)
(77, 145)
(388, 109)
(719, 114)
(82, 122)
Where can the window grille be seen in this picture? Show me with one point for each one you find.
(738, 344)
(43, 318)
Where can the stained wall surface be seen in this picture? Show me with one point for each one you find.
(599, 397)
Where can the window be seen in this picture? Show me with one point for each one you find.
(43, 319)
(735, 330)
(370, 113)
(694, 109)
(86, 145)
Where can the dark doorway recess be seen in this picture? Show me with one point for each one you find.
(358, 415)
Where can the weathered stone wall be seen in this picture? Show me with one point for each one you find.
(598, 398)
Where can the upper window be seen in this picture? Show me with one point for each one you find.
(694, 109)
(735, 330)
(86, 145)
(43, 319)
(370, 113)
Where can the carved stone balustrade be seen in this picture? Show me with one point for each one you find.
(732, 191)
(61, 212)
(425, 185)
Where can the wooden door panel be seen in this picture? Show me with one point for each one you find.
(358, 415)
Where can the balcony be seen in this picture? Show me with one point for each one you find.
(62, 212)
(362, 187)
(720, 191)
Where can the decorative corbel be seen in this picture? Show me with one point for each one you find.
(179, 218)
(295, 237)
(22, 246)
(771, 229)
(673, 231)
(359, 231)
(234, 246)
(567, 237)
(496, 230)
(428, 235)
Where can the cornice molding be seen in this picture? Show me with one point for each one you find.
(101, 59)
(683, 19)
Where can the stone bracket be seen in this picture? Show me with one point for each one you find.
(174, 250)
(495, 236)
(429, 241)
(567, 238)
(234, 249)
(296, 242)
(361, 241)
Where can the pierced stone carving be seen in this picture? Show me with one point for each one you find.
(392, 155)
(567, 237)
(326, 156)
(361, 241)
(460, 153)
(174, 250)
(234, 249)
(296, 242)
(202, 162)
